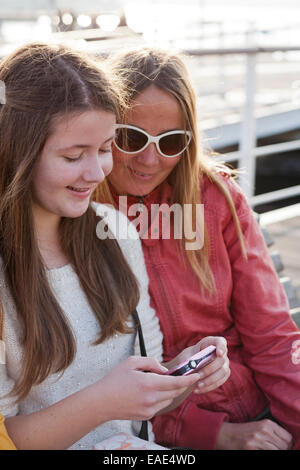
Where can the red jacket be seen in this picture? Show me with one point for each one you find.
(249, 309)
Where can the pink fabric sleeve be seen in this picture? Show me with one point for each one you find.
(261, 313)
(187, 426)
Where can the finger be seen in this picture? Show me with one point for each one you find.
(148, 364)
(204, 388)
(276, 443)
(266, 445)
(262, 441)
(214, 380)
(280, 444)
(274, 429)
(283, 435)
(168, 382)
(281, 432)
(277, 435)
(218, 341)
(217, 364)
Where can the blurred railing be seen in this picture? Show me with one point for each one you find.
(247, 141)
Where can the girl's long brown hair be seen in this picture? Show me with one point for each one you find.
(140, 68)
(43, 82)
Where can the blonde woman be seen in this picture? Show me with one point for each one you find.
(72, 374)
(221, 282)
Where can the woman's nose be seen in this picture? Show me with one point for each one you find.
(149, 156)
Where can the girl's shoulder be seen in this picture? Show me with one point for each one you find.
(115, 221)
(115, 224)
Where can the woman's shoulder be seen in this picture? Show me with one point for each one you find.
(213, 193)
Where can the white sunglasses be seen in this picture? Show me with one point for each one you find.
(131, 139)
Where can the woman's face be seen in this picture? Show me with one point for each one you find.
(75, 159)
(155, 111)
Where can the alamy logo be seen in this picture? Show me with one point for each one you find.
(295, 352)
(159, 221)
(2, 352)
(2, 93)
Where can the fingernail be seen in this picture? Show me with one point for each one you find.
(200, 384)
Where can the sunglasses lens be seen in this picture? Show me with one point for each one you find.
(130, 140)
(173, 144)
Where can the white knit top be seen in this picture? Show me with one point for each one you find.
(91, 362)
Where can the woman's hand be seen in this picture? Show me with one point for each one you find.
(255, 435)
(138, 388)
(215, 373)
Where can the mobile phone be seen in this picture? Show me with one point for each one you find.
(195, 362)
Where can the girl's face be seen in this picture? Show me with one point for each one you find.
(155, 111)
(75, 159)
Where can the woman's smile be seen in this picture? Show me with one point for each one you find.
(141, 175)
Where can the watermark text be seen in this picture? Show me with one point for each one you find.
(2, 352)
(180, 222)
(2, 93)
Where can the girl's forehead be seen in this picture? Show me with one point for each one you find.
(82, 129)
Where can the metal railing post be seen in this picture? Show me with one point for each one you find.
(247, 161)
(247, 153)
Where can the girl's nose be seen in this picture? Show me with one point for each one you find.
(149, 156)
(93, 171)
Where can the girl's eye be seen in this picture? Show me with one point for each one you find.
(72, 159)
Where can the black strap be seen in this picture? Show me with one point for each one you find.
(144, 429)
(140, 333)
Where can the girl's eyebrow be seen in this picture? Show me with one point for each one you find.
(82, 146)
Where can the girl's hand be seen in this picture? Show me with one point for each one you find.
(255, 435)
(137, 389)
(215, 373)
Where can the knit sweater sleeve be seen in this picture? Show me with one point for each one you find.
(126, 234)
(7, 406)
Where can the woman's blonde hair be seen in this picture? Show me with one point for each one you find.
(44, 82)
(140, 68)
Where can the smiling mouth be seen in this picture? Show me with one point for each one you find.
(79, 190)
(139, 173)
